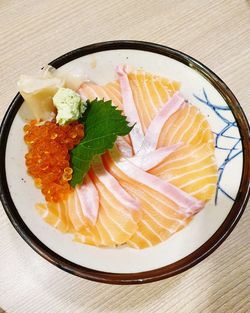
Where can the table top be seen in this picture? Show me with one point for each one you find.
(217, 33)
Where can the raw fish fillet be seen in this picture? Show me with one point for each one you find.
(192, 169)
(56, 214)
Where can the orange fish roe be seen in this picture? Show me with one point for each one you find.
(48, 158)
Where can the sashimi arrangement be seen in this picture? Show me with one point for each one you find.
(129, 162)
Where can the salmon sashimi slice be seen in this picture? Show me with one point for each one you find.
(130, 109)
(192, 169)
(150, 92)
(116, 223)
(155, 127)
(114, 92)
(124, 147)
(77, 218)
(152, 159)
(78, 237)
(161, 216)
(111, 91)
(187, 125)
(82, 226)
(113, 185)
(89, 199)
(56, 215)
(157, 222)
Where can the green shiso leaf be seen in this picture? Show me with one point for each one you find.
(102, 124)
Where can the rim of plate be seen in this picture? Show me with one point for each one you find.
(167, 271)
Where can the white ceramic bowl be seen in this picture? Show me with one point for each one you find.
(185, 248)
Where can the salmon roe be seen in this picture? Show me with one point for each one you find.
(48, 158)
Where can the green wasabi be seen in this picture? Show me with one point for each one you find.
(69, 106)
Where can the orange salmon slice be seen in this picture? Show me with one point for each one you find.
(187, 125)
(192, 168)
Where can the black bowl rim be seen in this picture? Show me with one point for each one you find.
(167, 271)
